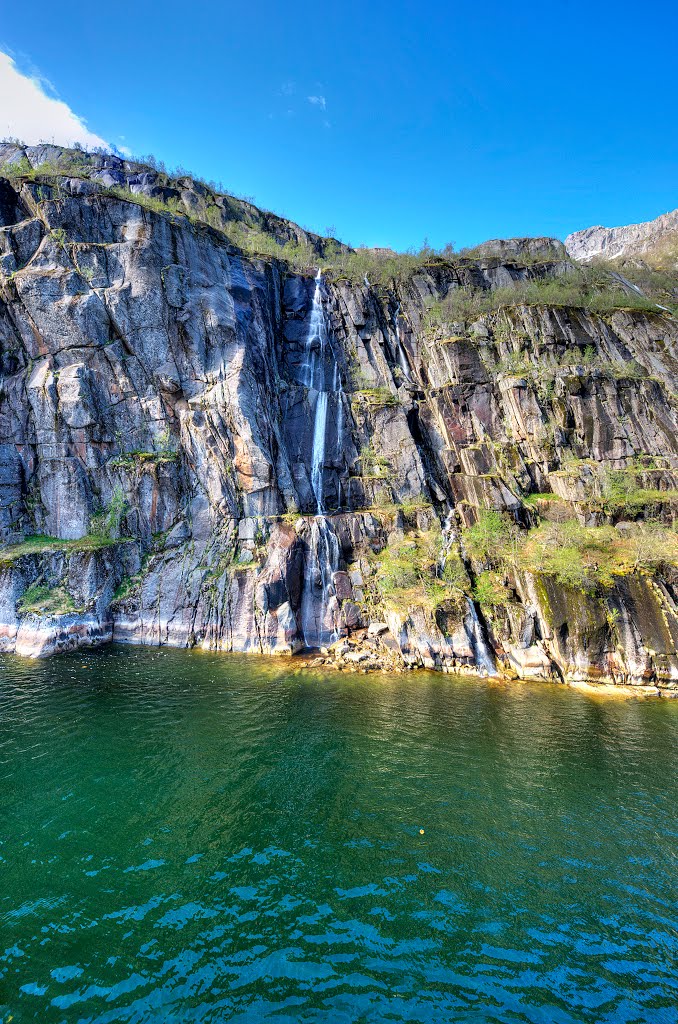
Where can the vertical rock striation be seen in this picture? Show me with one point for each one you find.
(200, 447)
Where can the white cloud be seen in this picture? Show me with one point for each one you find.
(318, 101)
(29, 114)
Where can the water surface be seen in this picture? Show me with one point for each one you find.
(198, 838)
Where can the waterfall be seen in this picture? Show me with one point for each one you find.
(316, 601)
(338, 390)
(483, 655)
(484, 658)
(400, 353)
(317, 333)
(318, 450)
(316, 377)
(449, 537)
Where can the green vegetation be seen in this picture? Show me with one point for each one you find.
(39, 544)
(614, 492)
(589, 558)
(623, 492)
(586, 287)
(533, 500)
(521, 363)
(411, 506)
(656, 274)
(129, 584)
(40, 599)
(173, 207)
(372, 463)
(59, 236)
(490, 538)
(382, 267)
(408, 572)
(130, 460)
(454, 575)
(583, 558)
(377, 398)
(254, 232)
(106, 524)
(489, 590)
(408, 508)
(68, 165)
(124, 589)
(298, 255)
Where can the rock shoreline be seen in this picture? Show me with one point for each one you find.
(200, 447)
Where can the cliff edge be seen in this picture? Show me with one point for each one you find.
(462, 463)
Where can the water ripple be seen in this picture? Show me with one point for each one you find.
(194, 838)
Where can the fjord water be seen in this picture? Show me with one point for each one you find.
(199, 838)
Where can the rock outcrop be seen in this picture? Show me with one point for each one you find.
(522, 249)
(199, 446)
(631, 240)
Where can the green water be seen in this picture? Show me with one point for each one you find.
(197, 838)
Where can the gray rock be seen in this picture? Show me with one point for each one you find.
(377, 628)
(131, 324)
(630, 240)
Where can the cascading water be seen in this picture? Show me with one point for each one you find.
(449, 537)
(484, 659)
(400, 353)
(314, 378)
(318, 449)
(338, 390)
(317, 613)
(319, 351)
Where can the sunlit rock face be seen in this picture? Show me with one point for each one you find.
(200, 447)
(631, 240)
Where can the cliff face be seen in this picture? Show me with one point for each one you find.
(631, 240)
(199, 447)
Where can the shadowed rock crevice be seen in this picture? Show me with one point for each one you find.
(201, 447)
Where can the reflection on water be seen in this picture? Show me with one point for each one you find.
(198, 838)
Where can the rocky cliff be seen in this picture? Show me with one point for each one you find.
(200, 445)
(631, 240)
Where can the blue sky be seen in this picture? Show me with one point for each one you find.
(391, 122)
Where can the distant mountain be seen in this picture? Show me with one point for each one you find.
(645, 240)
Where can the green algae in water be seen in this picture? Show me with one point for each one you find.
(199, 838)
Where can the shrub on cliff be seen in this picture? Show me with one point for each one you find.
(416, 572)
(39, 599)
(587, 558)
(582, 287)
(492, 538)
(106, 524)
(580, 557)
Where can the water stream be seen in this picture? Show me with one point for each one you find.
(400, 352)
(322, 375)
(449, 538)
(314, 378)
(318, 601)
(317, 611)
(484, 659)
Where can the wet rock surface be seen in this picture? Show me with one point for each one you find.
(241, 467)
